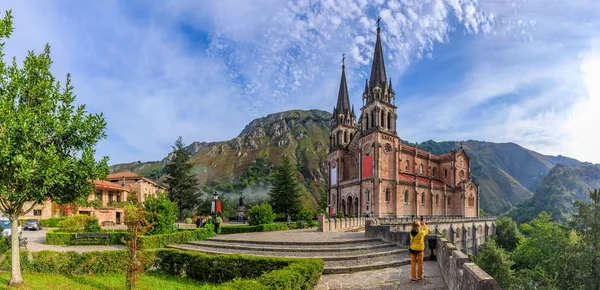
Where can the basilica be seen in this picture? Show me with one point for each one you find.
(373, 174)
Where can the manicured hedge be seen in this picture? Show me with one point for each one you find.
(241, 271)
(56, 237)
(183, 236)
(51, 222)
(224, 230)
(234, 271)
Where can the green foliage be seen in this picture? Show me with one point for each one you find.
(162, 214)
(339, 215)
(507, 234)
(180, 237)
(56, 237)
(261, 214)
(307, 215)
(495, 261)
(47, 140)
(84, 202)
(181, 182)
(285, 194)
(136, 219)
(79, 223)
(189, 221)
(235, 270)
(3, 246)
(51, 222)
(225, 230)
(587, 224)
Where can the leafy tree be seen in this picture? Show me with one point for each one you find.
(46, 141)
(548, 257)
(137, 221)
(261, 214)
(162, 214)
(496, 261)
(285, 194)
(587, 223)
(181, 182)
(323, 200)
(307, 215)
(507, 234)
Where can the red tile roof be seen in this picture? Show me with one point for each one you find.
(103, 184)
(126, 174)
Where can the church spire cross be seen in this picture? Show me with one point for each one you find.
(378, 20)
(343, 58)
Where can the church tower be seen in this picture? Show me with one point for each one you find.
(343, 123)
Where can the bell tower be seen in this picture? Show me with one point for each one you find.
(343, 122)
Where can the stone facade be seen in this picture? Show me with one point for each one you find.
(372, 173)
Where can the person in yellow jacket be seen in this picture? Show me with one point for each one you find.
(416, 248)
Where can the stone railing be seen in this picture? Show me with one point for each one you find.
(458, 270)
(340, 224)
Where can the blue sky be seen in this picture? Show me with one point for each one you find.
(503, 71)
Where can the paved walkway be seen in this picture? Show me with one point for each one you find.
(389, 278)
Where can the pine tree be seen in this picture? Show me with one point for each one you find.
(182, 184)
(285, 194)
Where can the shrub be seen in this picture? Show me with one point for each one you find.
(261, 214)
(51, 222)
(162, 214)
(188, 221)
(250, 229)
(3, 245)
(78, 223)
(307, 215)
(160, 241)
(56, 237)
(92, 225)
(339, 215)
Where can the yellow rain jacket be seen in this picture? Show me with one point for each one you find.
(417, 243)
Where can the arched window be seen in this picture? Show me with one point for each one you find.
(437, 200)
(406, 167)
(471, 200)
(372, 119)
(445, 172)
(338, 138)
(345, 136)
(382, 125)
(367, 197)
(367, 121)
(423, 198)
(448, 201)
(389, 120)
(387, 195)
(420, 168)
(433, 173)
(350, 137)
(406, 196)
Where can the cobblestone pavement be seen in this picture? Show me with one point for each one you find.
(397, 278)
(304, 235)
(36, 242)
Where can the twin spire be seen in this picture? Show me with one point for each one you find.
(378, 79)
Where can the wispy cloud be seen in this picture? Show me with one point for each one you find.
(519, 71)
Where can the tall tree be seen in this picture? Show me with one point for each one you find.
(496, 261)
(285, 194)
(181, 182)
(46, 142)
(587, 223)
(507, 234)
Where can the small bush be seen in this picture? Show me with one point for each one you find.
(79, 223)
(162, 214)
(189, 221)
(3, 245)
(92, 225)
(225, 230)
(160, 241)
(51, 222)
(339, 215)
(261, 214)
(307, 215)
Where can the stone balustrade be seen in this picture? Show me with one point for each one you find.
(340, 224)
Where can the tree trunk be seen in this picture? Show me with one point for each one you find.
(15, 278)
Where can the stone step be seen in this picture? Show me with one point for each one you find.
(289, 243)
(303, 248)
(372, 264)
(326, 256)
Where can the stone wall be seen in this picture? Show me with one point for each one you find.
(458, 271)
(340, 224)
(468, 234)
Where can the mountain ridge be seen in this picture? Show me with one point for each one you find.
(507, 173)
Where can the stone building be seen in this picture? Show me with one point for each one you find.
(372, 172)
(117, 188)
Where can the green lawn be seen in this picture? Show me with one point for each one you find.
(150, 280)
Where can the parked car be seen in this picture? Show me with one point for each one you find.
(32, 224)
(5, 225)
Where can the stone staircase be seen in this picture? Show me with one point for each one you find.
(339, 256)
